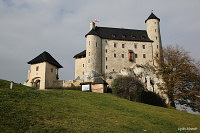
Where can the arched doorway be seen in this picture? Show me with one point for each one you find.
(36, 83)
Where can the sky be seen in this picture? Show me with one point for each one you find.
(30, 27)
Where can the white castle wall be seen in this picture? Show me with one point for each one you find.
(80, 67)
(115, 64)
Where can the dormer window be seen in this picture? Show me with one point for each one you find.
(123, 36)
(113, 35)
(133, 36)
(143, 37)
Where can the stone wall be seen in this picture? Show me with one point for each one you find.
(80, 67)
(115, 64)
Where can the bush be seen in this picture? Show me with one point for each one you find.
(152, 98)
(128, 87)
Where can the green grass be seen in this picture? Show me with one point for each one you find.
(25, 110)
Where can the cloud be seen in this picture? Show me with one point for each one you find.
(29, 27)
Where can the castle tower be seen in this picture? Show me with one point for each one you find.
(93, 53)
(153, 31)
(43, 71)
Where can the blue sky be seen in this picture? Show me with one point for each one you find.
(29, 27)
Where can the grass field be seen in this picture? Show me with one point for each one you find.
(25, 110)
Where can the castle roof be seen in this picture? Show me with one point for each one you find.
(120, 34)
(152, 16)
(80, 55)
(45, 57)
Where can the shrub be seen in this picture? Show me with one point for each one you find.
(128, 87)
(152, 98)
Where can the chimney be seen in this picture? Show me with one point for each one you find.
(92, 25)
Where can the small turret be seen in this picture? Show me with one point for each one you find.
(153, 31)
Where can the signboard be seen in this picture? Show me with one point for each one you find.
(86, 87)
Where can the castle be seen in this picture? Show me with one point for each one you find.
(110, 50)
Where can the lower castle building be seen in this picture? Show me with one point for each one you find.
(109, 50)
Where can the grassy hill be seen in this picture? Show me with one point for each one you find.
(25, 110)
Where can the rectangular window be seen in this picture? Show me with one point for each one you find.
(130, 56)
(122, 55)
(156, 55)
(135, 55)
(135, 46)
(156, 37)
(89, 61)
(143, 46)
(144, 55)
(113, 70)
(89, 53)
(115, 45)
(106, 67)
(89, 43)
(37, 68)
(115, 55)
(106, 50)
(122, 45)
(106, 58)
(157, 46)
(155, 30)
(51, 69)
(96, 44)
(83, 65)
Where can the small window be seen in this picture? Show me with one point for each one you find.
(96, 44)
(83, 65)
(155, 30)
(113, 35)
(122, 55)
(115, 45)
(83, 73)
(156, 37)
(143, 37)
(135, 55)
(106, 67)
(113, 70)
(51, 69)
(89, 53)
(115, 55)
(144, 55)
(130, 55)
(106, 50)
(156, 55)
(89, 61)
(122, 45)
(37, 68)
(157, 46)
(155, 22)
(106, 58)
(123, 36)
(89, 43)
(135, 46)
(105, 41)
(143, 46)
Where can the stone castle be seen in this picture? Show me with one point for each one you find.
(109, 52)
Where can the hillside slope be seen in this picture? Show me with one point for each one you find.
(26, 110)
